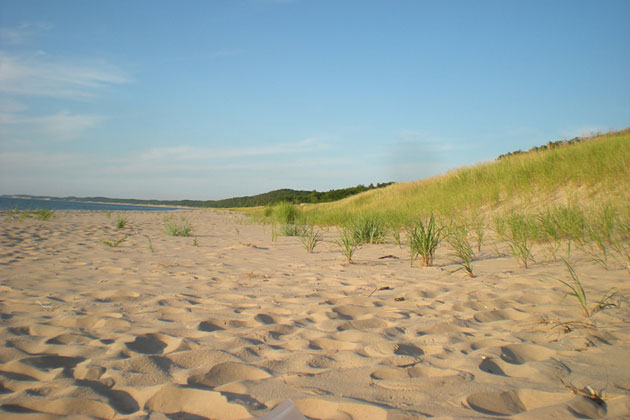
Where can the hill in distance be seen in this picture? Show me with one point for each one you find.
(591, 172)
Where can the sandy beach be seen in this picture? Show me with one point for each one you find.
(160, 327)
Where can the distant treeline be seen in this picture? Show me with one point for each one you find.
(292, 196)
(548, 146)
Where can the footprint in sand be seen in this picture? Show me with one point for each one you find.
(154, 344)
(350, 312)
(501, 315)
(546, 404)
(525, 361)
(227, 372)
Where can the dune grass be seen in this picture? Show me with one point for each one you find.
(21, 215)
(576, 195)
(424, 238)
(586, 171)
(177, 227)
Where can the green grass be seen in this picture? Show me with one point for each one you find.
(310, 238)
(462, 250)
(285, 213)
(368, 230)
(577, 290)
(21, 215)
(576, 196)
(177, 227)
(584, 172)
(347, 244)
(114, 243)
(424, 238)
(120, 221)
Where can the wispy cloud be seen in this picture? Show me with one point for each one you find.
(22, 33)
(38, 74)
(189, 153)
(421, 141)
(59, 126)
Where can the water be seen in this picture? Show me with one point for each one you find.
(32, 204)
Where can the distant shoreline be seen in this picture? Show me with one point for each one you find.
(84, 205)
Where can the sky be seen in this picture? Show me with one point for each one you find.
(221, 98)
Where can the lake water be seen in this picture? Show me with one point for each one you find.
(32, 204)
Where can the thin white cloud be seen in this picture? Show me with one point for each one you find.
(22, 33)
(188, 153)
(59, 126)
(38, 74)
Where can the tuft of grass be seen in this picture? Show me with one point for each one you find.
(150, 243)
(21, 215)
(286, 213)
(424, 238)
(458, 240)
(577, 290)
(43, 214)
(195, 241)
(120, 221)
(396, 236)
(291, 229)
(623, 249)
(521, 232)
(275, 232)
(310, 238)
(177, 227)
(347, 244)
(368, 230)
(478, 225)
(115, 243)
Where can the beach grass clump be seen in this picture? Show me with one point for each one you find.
(522, 231)
(458, 239)
(120, 221)
(286, 213)
(577, 290)
(368, 230)
(478, 226)
(424, 238)
(347, 243)
(43, 214)
(293, 229)
(21, 215)
(310, 238)
(177, 227)
(115, 242)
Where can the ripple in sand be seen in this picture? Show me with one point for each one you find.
(501, 315)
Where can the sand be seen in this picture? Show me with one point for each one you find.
(232, 327)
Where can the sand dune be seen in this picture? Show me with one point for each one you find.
(234, 326)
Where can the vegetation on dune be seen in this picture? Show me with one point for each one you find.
(177, 227)
(571, 173)
(567, 194)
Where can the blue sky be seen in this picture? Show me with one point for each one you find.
(214, 99)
